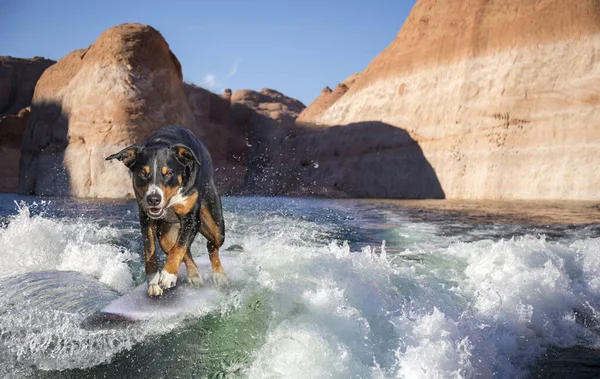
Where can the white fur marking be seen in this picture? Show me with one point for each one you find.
(167, 280)
(153, 287)
(177, 198)
(154, 290)
(155, 168)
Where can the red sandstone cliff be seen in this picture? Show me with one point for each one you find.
(501, 96)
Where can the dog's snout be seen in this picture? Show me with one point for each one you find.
(153, 199)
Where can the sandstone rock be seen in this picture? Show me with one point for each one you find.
(12, 128)
(501, 96)
(95, 101)
(213, 126)
(261, 124)
(18, 77)
(243, 130)
(270, 103)
(326, 98)
(226, 93)
(211, 119)
(366, 159)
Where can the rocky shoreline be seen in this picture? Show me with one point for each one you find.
(458, 106)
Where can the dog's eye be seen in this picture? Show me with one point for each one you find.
(169, 173)
(143, 174)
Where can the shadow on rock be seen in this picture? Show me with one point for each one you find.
(365, 159)
(42, 170)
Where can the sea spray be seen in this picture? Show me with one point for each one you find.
(323, 296)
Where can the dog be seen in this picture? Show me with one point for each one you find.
(177, 199)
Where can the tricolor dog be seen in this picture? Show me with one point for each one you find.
(177, 198)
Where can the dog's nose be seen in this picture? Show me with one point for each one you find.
(153, 199)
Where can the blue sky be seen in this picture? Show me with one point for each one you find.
(295, 47)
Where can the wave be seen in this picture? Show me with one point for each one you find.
(312, 305)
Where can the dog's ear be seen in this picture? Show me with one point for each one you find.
(185, 155)
(128, 155)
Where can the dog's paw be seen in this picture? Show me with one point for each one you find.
(154, 290)
(167, 280)
(220, 280)
(195, 281)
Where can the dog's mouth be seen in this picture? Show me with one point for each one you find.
(155, 212)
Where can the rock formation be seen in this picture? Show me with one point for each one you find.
(18, 77)
(244, 131)
(364, 159)
(12, 128)
(115, 93)
(265, 122)
(501, 96)
(326, 99)
(94, 102)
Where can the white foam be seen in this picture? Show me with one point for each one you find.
(35, 243)
(486, 308)
(54, 340)
(440, 309)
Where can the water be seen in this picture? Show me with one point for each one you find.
(330, 289)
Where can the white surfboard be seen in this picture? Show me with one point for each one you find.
(182, 299)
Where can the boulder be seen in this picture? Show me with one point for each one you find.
(94, 102)
(501, 97)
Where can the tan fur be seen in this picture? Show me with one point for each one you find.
(215, 262)
(167, 238)
(210, 230)
(190, 265)
(186, 206)
(208, 226)
(169, 192)
(174, 258)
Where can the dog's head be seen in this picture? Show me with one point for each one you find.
(160, 176)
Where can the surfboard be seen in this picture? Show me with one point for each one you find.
(136, 305)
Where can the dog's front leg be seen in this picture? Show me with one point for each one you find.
(149, 237)
(187, 232)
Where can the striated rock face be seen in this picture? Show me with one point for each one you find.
(501, 96)
(326, 99)
(95, 101)
(365, 159)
